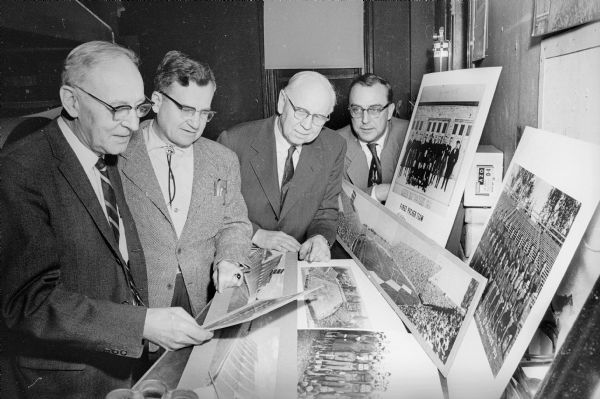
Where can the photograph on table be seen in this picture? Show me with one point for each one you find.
(342, 364)
(338, 303)
(442, 139)
(434, 293)
(535, 228)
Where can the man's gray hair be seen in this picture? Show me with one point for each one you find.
(299, 77)
(87, 55)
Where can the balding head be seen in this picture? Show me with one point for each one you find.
(304, 106)
(312, 84)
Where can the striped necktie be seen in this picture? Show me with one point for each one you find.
(110, 200)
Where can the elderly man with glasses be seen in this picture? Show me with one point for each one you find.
(74, 291)
(292, 170)
(374, 137)
(184, 192)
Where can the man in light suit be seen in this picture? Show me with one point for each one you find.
(184, 191)
(73, 286)
(292, 170)
(372, 129)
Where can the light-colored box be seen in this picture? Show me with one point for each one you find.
(485, 178)
(471, 234)
(477, 215)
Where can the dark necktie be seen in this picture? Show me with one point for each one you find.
(288, 173)
(110, 200)
(375, 169)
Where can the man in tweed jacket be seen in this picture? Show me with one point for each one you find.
(184, 191)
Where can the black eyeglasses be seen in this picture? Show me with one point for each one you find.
(121, 112)
(301, 114)
(189, 112)
(374, 111)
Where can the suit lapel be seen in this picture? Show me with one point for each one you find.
(73, 172)
(306, 171)
(356, 160)
(136, 166)
(264, 164)
(202, 168)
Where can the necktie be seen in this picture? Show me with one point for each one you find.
(110, 200)
(170, 150)
(288, 173)
(375, 169)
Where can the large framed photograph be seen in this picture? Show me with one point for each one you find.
(438, 152)
(433, 292)
(535, 228)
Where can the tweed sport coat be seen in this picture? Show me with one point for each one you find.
(356, 169)
(64, 297)
(311, 204)
(216, 228)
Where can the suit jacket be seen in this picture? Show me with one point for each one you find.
(311, 204)
(356, 169)
(64, 298)
(216, 228)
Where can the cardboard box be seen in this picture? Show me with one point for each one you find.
(485, 178)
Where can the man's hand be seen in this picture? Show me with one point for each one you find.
(315, 249)
(227, 274)
(276, 240)
(380, 192)
(173, 328)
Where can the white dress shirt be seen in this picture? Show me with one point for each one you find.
(281, 149)
(88, 158)
(379, 147)
(182, 166)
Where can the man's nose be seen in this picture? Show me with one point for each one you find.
(307, 122)
(132, 122)
(365, 116)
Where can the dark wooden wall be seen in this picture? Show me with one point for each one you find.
(516, 99)
(223, 34)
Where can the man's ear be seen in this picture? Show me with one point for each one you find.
(280, 102)
(390, 111)
(69, 101)
(157, 100)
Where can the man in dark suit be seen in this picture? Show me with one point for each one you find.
(292, 170)
(374, 137)
(73, 287)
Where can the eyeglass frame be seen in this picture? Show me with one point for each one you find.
(369, 110)
(120, 108)
(209, 114)
(302, 110)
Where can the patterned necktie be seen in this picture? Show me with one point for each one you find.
(288, 173)
(375, 169)
(110, 200)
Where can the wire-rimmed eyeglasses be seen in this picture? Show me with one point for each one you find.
(301, 114)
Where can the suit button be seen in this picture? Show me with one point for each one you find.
(169, 286)
(179, 250)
